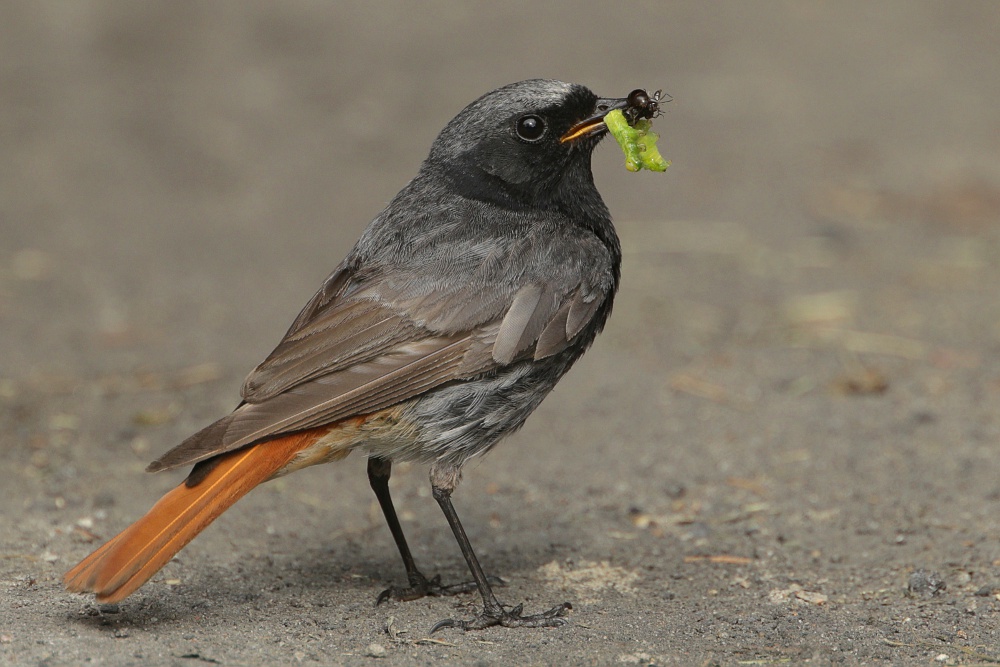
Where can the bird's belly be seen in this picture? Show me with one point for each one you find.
(455, 422)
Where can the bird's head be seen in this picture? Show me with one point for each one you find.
(522, 143)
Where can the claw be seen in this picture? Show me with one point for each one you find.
(446, 623)
(512, 618)
(384, 595)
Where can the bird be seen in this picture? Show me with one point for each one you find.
(456, 312)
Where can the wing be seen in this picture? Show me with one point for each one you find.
(362, 344)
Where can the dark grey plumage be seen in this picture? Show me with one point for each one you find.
(463, 302)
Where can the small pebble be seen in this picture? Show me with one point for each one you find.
(923, 582)
(376, 651)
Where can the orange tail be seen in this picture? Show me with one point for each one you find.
(128, 561)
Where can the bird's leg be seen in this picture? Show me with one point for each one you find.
(494, 613)
(379, 470)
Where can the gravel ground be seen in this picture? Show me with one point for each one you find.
(782, 450)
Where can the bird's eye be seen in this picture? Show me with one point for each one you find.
(530, 128)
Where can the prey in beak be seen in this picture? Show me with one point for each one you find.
(638, 104)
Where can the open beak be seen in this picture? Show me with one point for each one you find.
(595, 124)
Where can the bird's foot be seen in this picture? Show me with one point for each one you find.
(420, 586)
(510, 618)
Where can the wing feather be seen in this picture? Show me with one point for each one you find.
(357, 348)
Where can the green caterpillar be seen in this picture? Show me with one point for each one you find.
(637, 142)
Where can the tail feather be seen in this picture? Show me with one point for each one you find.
(128, 560)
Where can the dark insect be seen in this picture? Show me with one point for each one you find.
(642, 105)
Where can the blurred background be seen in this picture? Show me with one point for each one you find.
(189, 171)
(809, 296)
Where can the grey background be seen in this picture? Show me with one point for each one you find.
(793, 410)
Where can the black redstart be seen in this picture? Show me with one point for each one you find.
(455, 314)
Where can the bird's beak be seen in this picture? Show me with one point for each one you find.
(595, 123)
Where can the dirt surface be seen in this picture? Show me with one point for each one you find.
(782, 450)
